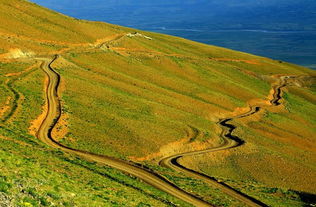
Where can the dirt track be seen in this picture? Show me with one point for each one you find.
(229, 141)
(52, 116)
(6, 115)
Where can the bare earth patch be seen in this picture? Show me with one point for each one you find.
(6, 107)
(38, 121)
(17, 53)
(252, 62)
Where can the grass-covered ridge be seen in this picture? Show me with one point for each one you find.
(139, 97)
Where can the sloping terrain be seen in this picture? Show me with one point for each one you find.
(90, 109)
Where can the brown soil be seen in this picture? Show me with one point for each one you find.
(252, 62)
(179, 146)
(4, 109)
(35, 125)
(20, 73)
(15, 141)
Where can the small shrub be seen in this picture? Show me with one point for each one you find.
(141, 204)
(4, 187)
(53, 195)
(44, 202)
(32, 192)
(269, 190)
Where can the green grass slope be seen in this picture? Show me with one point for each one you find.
(137, 96)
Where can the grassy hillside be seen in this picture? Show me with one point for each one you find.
(139, 96)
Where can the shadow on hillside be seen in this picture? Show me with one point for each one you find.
(308, 198)
(78, 162)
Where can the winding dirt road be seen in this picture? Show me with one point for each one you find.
(229, 141)
(52, 116)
